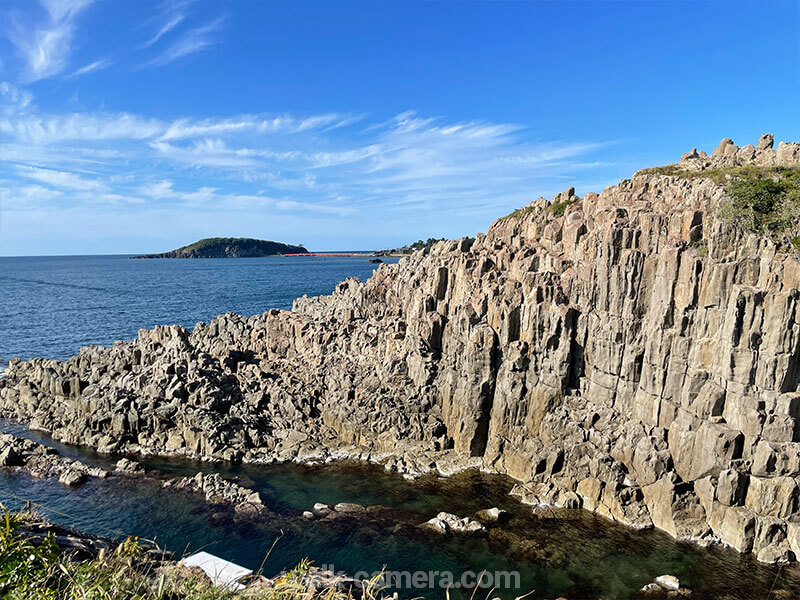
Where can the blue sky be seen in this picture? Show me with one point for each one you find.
(136, 126)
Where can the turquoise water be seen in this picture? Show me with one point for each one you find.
(51, 306)
(557, 553)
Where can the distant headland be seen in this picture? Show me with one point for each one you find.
(227, 247)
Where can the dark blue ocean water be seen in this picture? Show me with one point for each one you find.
(51, 306)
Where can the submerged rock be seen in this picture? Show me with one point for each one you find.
(450, 523)
(493, 515)
(349, 508)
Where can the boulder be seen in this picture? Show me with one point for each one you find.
(125, 465)
(10, 458)
(493, 515)
(449, 523)
(668, 582)
(72, 478)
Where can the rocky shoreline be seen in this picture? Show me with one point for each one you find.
(41, 461)
(626, 352)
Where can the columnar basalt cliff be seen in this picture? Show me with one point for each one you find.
(627, 352)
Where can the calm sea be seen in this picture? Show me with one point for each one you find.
(51, 306)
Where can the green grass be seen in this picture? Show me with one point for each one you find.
(30, 571)
(701, 246)
(557, 209)
(518, 214)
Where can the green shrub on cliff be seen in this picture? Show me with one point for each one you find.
(765, 201)
(557, 209)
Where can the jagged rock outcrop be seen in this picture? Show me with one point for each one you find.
(218, 490)
(41, 461)
(626, 352)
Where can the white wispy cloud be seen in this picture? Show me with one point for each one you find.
(253, 124)
(14, 100)
(171, 23)
(431, 174)
(212, 153)
(46, 46)
(65, 10)
(169, 16)
(97, 65)
(191, 42)
(49, 129)
(61, 179)
(294, 205)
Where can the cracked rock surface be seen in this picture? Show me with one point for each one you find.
(634, 356)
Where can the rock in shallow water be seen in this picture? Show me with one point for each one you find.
(493, 515)
(449, 523)
(10, 458)
(72, 478)
(668, 582)
(125, 465)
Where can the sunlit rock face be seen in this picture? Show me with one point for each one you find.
(626, 352)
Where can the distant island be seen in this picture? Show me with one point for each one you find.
(227, 247)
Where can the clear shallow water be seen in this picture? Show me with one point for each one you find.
(51, 306)
(569, 553)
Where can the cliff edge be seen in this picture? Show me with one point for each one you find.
(631, 352)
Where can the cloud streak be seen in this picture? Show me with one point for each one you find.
(46, 46)
(172, 22)
(194, 41)
(61, 179)
(97, 65)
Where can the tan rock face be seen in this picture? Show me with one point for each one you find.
(605, 358)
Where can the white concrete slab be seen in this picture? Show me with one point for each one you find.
(222, 573)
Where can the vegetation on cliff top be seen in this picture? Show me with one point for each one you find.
(556, 209)
(766, 202)
(36, 569)
(761, 199)
(228, 247)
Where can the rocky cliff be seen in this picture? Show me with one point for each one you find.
(627, 352)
